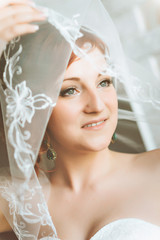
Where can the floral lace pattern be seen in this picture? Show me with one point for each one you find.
(70, 29)
(25, 201)
(21, 107)
(22, 211)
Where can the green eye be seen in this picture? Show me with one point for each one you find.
(68, 92)
(105, 83)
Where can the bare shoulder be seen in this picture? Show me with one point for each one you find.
(151, 156)
(155, 152)
(149, 160)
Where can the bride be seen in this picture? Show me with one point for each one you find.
(95, 193)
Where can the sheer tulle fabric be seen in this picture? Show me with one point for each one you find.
(32, 76)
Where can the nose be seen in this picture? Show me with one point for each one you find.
(94, 102)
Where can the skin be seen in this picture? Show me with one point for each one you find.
(16, 17)
(93, 186)
(93, 99)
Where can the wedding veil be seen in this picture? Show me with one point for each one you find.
(32, 68)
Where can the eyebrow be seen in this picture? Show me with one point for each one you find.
(78, 79)
(72, 79)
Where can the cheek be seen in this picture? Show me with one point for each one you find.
(63, 116)
(111, 101)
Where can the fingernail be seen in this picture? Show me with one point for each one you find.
(32, 4)
(44, 11)
(35, 28)
(41, 16)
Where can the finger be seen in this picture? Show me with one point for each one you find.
(21, 19)
(19, 30)
(4, 3)
(8, 11)
(9, 14)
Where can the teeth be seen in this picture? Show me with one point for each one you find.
(94, 124)
(99, 122)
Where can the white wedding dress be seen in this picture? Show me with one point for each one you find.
(122, 229)
(128, 229)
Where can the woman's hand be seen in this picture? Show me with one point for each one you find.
(16, 17)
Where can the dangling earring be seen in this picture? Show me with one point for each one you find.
(114, 137)
(51, 153)
(47, 158)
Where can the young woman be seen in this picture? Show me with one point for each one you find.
(99, 185)
(95, 193)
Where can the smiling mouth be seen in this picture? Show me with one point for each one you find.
(94, 124)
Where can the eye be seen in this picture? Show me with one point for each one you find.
(68, 92)
(105, 83)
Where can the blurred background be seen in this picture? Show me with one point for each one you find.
(138, 23)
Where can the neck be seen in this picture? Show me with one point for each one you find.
(78, 171)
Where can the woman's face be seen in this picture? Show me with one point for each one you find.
(85, 116)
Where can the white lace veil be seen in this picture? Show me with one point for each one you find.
(32, 70)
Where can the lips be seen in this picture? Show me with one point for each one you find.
(94, 123)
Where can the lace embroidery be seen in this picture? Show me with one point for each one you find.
(26, 203)
(22, 211)
(21, 107)
(69, 28)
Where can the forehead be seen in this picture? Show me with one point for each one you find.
(93, 62)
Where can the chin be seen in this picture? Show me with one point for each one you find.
(96, 146)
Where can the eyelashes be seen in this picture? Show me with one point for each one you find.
(106, 82)
(68, 92)
(72, 91)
